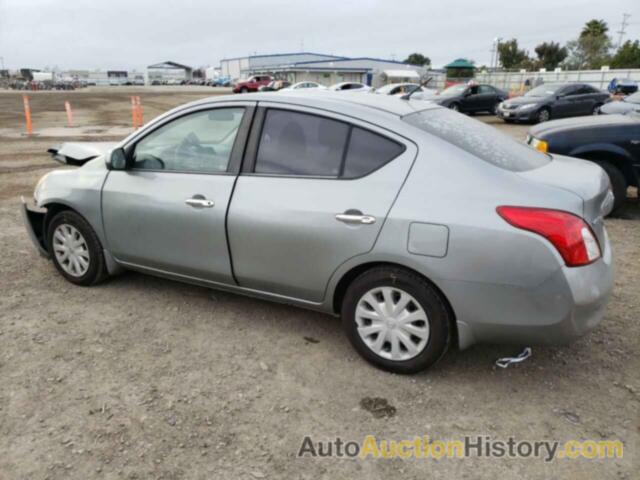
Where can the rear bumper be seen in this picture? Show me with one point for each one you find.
(561, 309)
(34, 223)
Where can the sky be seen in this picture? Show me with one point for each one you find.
(120, 34)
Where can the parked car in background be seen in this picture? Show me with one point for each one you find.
(274, 86)
(252, 84)
(348, 204)
(304, 86)
(470, 98)
(401, 89)
(553, 100)
(398, 88)
(611, 141)
(623, 106)
(350, 86)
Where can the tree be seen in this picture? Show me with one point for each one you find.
(594, 28)
(591, 48)
(510, 55)
(627, 56)
(550, 55)
(417, 59)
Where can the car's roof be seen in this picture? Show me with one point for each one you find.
(333, 101)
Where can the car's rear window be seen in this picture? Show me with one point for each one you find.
(479, 139)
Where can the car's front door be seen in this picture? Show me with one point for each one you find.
(167, 210)
(317, 191)
(568, 103)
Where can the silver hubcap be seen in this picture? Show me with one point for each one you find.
(70, 249)
(543, 116)
(392, 323)
(454, 107)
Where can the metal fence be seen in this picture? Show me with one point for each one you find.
(515, 80)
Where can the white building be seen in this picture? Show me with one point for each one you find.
(324, 69)
(168, 73)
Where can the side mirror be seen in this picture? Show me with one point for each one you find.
(117, 160)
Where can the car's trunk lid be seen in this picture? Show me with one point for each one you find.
(583, 178)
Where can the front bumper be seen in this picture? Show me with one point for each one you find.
(34, 223)
(516, 115)
(566, 306)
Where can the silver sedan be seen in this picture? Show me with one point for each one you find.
(421, 227)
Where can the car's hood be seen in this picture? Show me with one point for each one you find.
(578, 123)
(78, 153)
(524, 100)
(619, 107)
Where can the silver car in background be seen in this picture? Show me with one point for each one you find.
(421, 227)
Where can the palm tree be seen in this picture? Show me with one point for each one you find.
(594, 28)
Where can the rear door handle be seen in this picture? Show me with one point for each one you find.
(199, 203)
(351, 218)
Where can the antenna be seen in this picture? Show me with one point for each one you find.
(623, 27)
(407, 96)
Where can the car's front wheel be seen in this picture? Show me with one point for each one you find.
(455, 107)
(396, 320)
(543, 115)
(75, 249)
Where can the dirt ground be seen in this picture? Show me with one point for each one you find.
(143, 378)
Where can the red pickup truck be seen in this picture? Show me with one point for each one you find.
(252, 85)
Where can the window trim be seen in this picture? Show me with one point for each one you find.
(237, 150)
(253, 145)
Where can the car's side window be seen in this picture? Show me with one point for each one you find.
(571, 91)
(294, 143)
(368, 151)
(197, 142)
(486, 89)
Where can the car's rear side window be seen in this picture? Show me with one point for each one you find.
(479, 139)
(367, 152)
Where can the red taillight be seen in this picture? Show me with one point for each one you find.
(570, 234)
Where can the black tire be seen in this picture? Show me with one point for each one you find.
(618, 185)
(596, 109)
(494, 109)
(455, 106)
(244, 90)
(543, 115)
(438, 315)
(97, 269)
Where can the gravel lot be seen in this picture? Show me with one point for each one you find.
(144, 378)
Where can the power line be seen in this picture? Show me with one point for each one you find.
(623, 27)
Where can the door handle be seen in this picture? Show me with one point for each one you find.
(352, 218)
(199, 203)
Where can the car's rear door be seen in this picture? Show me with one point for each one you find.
(316, 191)
(167, 211)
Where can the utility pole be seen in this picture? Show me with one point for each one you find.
(623, 27)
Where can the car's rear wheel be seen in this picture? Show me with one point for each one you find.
(244, 90)
(455, 107)
(618, 185)
(543, 115)
(596, 109)
(75, 249)
(494, 109)
(396, 320)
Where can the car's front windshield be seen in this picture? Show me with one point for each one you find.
(454, 90)
(544, 90)
(635, 98)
